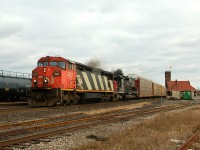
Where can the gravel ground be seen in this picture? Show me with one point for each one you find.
(75, 139)
(18, 116)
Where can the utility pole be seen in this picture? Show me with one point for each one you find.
(161, 95)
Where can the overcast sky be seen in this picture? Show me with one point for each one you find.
(143, 37)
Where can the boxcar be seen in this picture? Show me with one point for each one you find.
(144, 87)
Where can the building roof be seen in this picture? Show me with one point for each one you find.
(179, 86)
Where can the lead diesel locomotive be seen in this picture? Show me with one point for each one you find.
(57, 80)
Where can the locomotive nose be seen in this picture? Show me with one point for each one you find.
(41, 77)
(41, 82)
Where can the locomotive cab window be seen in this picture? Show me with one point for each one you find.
(62, 65)
(42, 64)
(46, 63)
(53, 63)
(70, 66)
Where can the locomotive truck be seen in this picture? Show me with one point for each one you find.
(59, 80)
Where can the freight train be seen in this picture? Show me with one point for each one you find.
(14, 86)
(57, 80)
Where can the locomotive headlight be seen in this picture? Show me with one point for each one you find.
(45, 80)
(35, 83)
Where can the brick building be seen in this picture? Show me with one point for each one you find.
(179, 89)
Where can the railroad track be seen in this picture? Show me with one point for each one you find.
(44, 128)
(12, 103)
(188, 144)
(12, 108)
(20, 107)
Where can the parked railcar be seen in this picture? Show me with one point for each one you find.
(14, 85)
(59, 80)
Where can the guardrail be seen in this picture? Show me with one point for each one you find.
(14, 74)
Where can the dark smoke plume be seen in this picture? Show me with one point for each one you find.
(118, 72)
(94, 63)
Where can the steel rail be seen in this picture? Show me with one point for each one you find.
(24, 109)
(190, 141)
(62, 123)
(80, 119)
(25, 123)
(4, 126)
(27, 108)
(99, 122)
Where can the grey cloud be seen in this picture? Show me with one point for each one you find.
(189, 42)
(9, 27)
(142, 37)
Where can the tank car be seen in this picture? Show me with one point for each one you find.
(14, 86)
(59, 80)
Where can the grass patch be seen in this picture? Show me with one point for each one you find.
(164, 131)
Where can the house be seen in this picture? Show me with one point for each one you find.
(179, 89)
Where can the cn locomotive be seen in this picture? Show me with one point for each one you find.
(14, 86)
(57, 80)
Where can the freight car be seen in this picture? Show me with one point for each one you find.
(147, 88)
(59, 80)
(14, 85)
